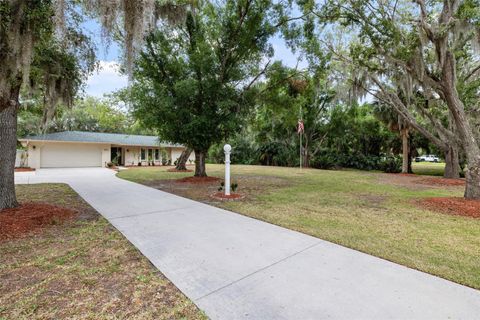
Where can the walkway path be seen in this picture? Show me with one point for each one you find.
(235, 267)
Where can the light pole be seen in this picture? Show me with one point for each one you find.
(227, 149)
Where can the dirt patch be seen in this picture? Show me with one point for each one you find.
(250, 186)
(373, 201)
(81, 268)
(433, 181)
(417, 182)
(175, 170)
(404, 174)
(198, 180)
(24, 169)
(30, 217)
(222, 196)
(453, 205)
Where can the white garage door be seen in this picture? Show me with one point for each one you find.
(71, 155)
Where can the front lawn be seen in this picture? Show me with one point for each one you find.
(371, 212)
(428, 168)
(82, 269)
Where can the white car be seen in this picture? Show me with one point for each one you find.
(427, 158)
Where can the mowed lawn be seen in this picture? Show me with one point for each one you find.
(428, 168)
(82, 269)
(372, 212)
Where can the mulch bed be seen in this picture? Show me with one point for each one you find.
(198, 180)
(414, 179)
(175, 170)
(31, 217)
(24, 169)
(441, 182)
(453, 205)
(222, 196)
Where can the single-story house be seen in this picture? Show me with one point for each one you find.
(94, 149)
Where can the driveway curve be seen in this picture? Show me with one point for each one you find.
(235, 267)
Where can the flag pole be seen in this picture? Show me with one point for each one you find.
(301, 151)
(301, 133)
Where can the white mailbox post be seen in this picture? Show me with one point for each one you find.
(227, 148)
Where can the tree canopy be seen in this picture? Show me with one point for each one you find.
(194, 81)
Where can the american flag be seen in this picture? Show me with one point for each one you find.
(300, 127)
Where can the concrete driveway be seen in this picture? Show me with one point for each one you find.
(235, 267)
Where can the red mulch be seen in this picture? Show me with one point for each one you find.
(175, 170)
(441, 181)
(453, 205)
(222, 196)
(24, 169)
(29, 217)
(198, 180)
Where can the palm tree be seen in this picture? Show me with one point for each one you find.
(396, 123)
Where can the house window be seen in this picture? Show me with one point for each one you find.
(142, 155)
(150, 154)
(157, 154)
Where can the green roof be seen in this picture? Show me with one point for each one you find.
(99, 137)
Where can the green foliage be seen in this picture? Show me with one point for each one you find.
(391, 165)
(87, 114)
(355, 139)
(191, 81)
(350, 137)
(325, 160)
(233, 186)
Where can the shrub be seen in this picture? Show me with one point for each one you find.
(391, 164)
(233, 186)
(324, 161)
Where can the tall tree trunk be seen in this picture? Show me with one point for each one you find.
(306, 154)
(182, 161)
(470, 145)
(452, 163)
(410, 169)
(8, 151)
(405, 150)
(200, 170)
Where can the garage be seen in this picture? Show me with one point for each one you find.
(58, 155)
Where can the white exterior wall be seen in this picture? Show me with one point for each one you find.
(67, 154)
(106, 154)
(132, 156)
(34, 156)
(175, 153)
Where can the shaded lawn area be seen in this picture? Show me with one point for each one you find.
(372, 212)
(82, 269)
(428, 168)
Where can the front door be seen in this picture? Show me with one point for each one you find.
(116, 155)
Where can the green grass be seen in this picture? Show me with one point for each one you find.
(82, 269)
(371, 212)
(428, 168)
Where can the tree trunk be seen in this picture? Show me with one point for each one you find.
(200, 170)
(470, 145)
(182, 161)
(306, 154)
(472, 190)
(410, 169)
(452, 164)
(405, 150)
(8, 152)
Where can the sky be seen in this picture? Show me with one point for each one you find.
(107, 78)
